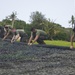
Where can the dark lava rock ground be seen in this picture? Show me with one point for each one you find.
(21, 59)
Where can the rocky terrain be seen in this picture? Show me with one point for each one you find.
(21, 59)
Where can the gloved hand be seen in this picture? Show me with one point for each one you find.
(29, 43)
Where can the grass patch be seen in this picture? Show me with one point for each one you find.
(58, 43)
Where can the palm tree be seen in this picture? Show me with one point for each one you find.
(72, 20)
(12, 17)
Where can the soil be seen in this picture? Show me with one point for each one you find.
(21, 59)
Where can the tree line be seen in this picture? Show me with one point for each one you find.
(38, 20)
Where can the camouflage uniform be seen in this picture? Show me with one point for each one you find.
(24, 36)
(42, 36)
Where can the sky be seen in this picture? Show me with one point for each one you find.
(59, 11)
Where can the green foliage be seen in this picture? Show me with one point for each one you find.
(6, 22)
(27, 29)
(49, 28)
(61, 36)
(1, 23)
(37, 19)
(19, 24)
(54, 31)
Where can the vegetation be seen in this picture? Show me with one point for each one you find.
(58, 43)
(12, 17)
(38, 20)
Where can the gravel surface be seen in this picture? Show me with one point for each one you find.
(21, 59)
